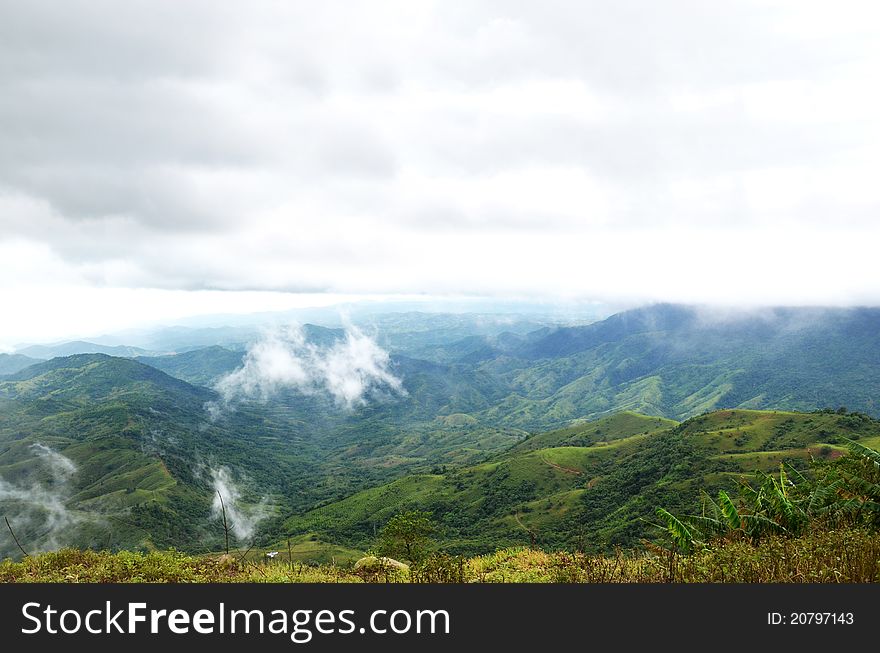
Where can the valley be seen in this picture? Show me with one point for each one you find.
(560, 436)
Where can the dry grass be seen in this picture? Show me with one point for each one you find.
(824, 556)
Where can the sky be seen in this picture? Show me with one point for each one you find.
(160, 159)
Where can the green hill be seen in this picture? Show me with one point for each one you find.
(569, 488)
(199, 366)
(80, 347)
(617, 426)
(479, 395)
(143, 448)
(96, 450)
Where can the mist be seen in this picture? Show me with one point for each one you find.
(243, 519)
(38, 509)
(350, 372)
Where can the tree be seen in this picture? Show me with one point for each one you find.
(226, 524)
(407, 535)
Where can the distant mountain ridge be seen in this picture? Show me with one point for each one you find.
(203, 366)
(668, 360)
(80, 347)
(11, 363)
(679, 361)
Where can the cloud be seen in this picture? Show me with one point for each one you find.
(348, 370)
(61, 466)
(242, 518)
(38, 508)
(396, 147)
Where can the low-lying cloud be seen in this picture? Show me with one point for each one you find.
(37, 509)
(241, 518)
(349, 371)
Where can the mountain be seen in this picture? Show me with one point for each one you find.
(671, 361)
(198, 366)
(104, 451)
(183, 338)
(415, 333)
(11, 363)
(567, 432)
(446, 337)
(80, 347)
(584, 434)
(474, 396)
(144, 450)
(88, 379)
(570, 488)
(680, 361)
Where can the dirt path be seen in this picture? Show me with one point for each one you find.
(567, 470)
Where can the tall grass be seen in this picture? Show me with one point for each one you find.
(846, 555)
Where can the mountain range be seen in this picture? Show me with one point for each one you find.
(567, 434)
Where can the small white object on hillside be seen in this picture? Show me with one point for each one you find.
(272, 554)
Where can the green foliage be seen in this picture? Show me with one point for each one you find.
(843, 491)
(592, 497)
(408, 536)
(681, 534)
(584, 434)
(440, 567)
(199, 367)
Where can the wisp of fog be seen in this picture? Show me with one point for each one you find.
(242, 519)
(39, 508)
(349, 371)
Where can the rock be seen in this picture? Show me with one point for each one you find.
(375, 565)
(227, 561)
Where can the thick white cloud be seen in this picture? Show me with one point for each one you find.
(348, 371)
(588, 149)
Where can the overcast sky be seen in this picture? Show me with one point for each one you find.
(158, 158)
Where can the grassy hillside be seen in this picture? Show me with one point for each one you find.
(484, 392)
(614, 427)
(571, 488)
(143, 448)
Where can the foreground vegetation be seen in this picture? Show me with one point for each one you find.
(823, 526)
(847, 555)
